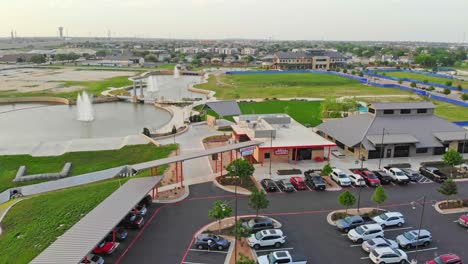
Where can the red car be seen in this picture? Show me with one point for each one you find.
(368, 176)
(463, 220)
(445, 259)
(105, 247)
(298, 183)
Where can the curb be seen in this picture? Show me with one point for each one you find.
(205, 227)
(7, 210)
(332, 223)
(229, 190)
(449, 211)
(186, 194)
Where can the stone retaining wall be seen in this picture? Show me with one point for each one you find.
(22, 177)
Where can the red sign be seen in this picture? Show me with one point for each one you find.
(281, 151)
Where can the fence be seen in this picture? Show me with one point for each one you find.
(461, 123)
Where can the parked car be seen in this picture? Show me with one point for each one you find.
(141, 209)
(269, 185)
(463, 220)
(379, 242)
(258, 223)
(365, 232)
(285, 185)
(315, 181)
(133, 221)
(412, 175)
(445, 259)
(105, 247)
(340, 177)
(298, 183)
(389, 219)
(351, 222)
(93, 259)
(368, 176)
(410, 239)
(433, 174)
(267, 238)
(277, 257)
(382, 176)
(385, 255)
(357, 180)
(211, 241)
(120, 234)
(397, 175)
(146, 201)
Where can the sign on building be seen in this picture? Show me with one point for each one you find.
(282, 151)
(247, 151)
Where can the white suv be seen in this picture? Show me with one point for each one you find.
(265, 238)
(385, 255)
(340, 177)
(365, 232)
(389, 219)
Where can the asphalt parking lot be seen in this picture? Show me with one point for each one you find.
(205, 256)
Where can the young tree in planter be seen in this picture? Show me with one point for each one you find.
(327, 169)
(448, 188)
(347, 200)
(244, 259)
(240, 232)
(379, 196)
(241, 168)
(452, 158)
(219, 211)
(258, 200)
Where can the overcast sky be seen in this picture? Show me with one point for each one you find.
(421, 20)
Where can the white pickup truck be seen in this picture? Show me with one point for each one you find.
(397, 175)
(281, 257)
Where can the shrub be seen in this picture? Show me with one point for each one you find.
(464, 96)
(425, 81)
(448, 83)
(447, 91)
(431, 88)
(413, 84)
(459, 87)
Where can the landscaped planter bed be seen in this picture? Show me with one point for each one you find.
(231, 181)
(444, 168)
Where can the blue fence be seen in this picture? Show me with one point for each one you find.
(461, 123)
(361, 79)
(446, 76)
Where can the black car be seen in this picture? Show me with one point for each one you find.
(383, 176)
(211, 241)
(120, 234)
(315, 181)
(269, 185)
(285, 185)
(133, 221)
(433, 174)
(258, 223)
(412, 175)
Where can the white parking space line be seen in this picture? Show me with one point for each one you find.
(365, 258)
(355, 245)
(421, 250)
(396, 229)
(208, 251)
(273, 249)
(193, 263)
(277, 187)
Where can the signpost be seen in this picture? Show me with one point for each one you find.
(247, 151)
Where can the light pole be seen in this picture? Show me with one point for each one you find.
(421, 201)
(463, 146)
(234, 169)
(381, 148)
(271, 150)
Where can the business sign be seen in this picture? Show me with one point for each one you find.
(247, 148)
(282, 151)
(247, 152)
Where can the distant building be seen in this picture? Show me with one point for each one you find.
(16, 58)
(248, 51)
(393, 130)
(115, 61)
(309, 60)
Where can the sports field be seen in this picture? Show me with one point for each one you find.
(289, 85)
(422, 78)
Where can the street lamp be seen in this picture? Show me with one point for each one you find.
(234, 169)
(271, 150)
(422, 202)
(382, 147)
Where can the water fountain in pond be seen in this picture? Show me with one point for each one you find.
(176, 72)
(84, 108)
(152, 84)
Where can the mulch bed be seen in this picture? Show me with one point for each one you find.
(367, 216)
(221, 138)
(229, 180)
(453, 204)
(289, 172)
(444, 168)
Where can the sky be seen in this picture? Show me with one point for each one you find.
(353, 20)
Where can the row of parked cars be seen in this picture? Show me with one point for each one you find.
(370, 234)
(133, 220)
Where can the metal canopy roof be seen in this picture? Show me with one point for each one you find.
(80, 239)
(392, 139)
(224, 108)
(449, 136)
(189, 156)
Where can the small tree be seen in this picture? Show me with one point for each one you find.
(459, 87)
(174, 129)
(447, 91)
(345, 71)
(361, 74)
(452, 158)
(379, 196)
(425, 81)
(448, 83)
(240, 231)
(431, 88)
(327, 169)
(243, 259)
(413, 84)
(258, 200)
(241, 168)
(347, 200)
(219, 211)
(400, 81)
(464, 96)
(448, 188)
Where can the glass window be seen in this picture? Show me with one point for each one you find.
(267, 155)
(421, 150)
(422, 111)
(388, 112)
(405, 111)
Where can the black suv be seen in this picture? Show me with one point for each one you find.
(412, 175)
(269, 185)
(258, 223)
(133, 221)
(315, 181)
(383, 176)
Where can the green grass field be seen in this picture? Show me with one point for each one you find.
(288, 85)
(82, 162)
(34, 223)
(93, 87)
(422, 77)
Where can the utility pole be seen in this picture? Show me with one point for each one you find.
(463, 146)
(423, 204)
(271, 149)
(381, 148)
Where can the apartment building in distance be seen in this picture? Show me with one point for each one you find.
(308, 60)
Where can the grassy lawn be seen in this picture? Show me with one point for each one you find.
(289, 85)
(422, 77)
(451, 112)
(82, 162)
(167, 66)
(33, 224)
(93, 87)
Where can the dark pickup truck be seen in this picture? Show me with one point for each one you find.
(351, 222)
(383, 176)
(314, 180)
(433, 174)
